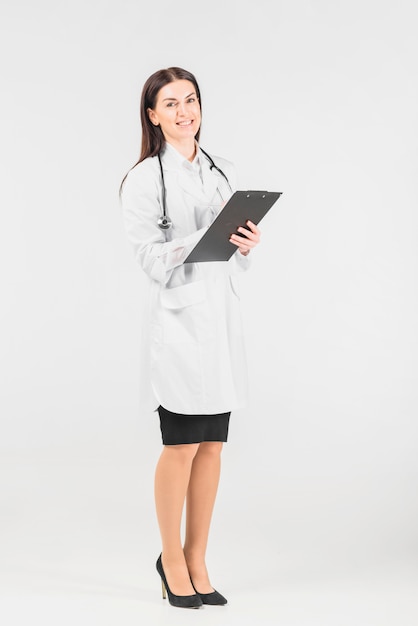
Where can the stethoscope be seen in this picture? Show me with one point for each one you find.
(164, 221)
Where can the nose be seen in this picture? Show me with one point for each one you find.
(182, 108)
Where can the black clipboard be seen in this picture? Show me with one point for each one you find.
(242, 206)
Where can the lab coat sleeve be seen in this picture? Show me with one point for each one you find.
(241, 263)
(141, 208)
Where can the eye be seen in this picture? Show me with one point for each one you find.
(171, 104)
(191, 100)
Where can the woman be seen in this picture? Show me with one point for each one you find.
(194, 370)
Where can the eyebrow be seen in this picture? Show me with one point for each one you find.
(190, 94)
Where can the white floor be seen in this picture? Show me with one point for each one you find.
(87, 603)
(79, 544)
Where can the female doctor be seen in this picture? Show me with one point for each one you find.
(193, 370)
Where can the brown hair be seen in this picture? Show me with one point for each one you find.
(153, 140)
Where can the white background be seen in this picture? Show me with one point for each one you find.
(316, 516)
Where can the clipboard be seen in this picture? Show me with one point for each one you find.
(242, 206)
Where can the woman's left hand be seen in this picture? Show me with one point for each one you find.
(251, 239)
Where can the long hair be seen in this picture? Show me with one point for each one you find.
(153, 140)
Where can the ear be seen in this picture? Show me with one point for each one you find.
(153, 117)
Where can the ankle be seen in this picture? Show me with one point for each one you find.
(177, 576)
(173, 558)
(194, 556)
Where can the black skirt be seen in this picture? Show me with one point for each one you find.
(177, 428)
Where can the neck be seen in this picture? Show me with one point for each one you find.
(186, 149)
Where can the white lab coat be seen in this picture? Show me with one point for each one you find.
(193, 355)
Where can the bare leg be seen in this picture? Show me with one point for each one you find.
(201, 494)
(172, 478)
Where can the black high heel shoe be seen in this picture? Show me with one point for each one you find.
(213, 598)
(184, 602)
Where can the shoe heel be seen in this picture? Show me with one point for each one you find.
(163, 589)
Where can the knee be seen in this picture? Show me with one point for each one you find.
(183, 453)
(211, 448)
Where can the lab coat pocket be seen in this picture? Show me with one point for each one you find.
(184, 295)
(183, 310)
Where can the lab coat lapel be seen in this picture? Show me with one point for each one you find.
(202, 193)
(172, 162)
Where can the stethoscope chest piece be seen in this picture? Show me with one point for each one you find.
(164, 222)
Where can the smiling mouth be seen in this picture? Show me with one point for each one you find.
(188, 123)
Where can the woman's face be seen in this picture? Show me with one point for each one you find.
(177, 111)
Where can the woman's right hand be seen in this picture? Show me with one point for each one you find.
(250, 239)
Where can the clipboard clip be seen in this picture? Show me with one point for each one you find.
(249, 192)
